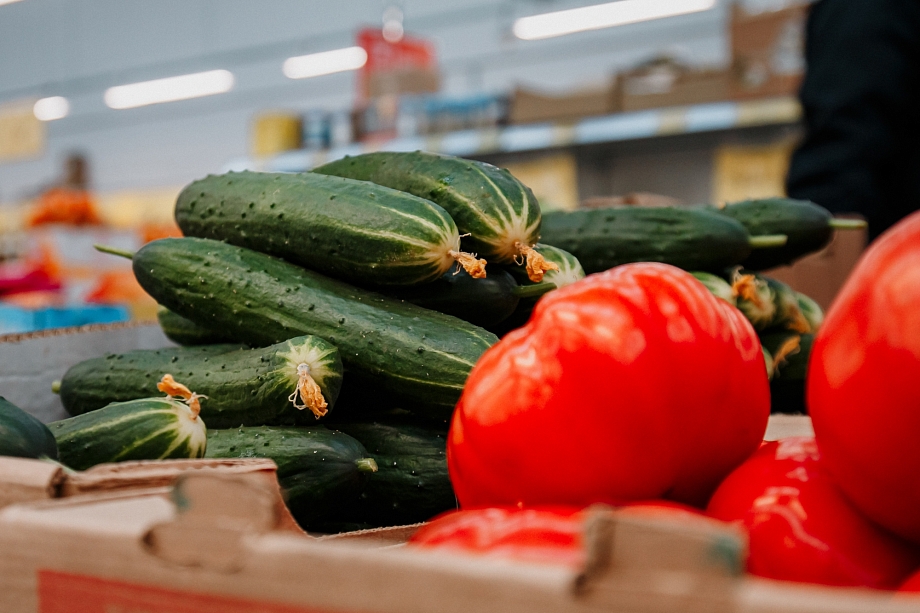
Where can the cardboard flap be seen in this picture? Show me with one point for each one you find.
(25, 480)
(648, 562)
(216, 512)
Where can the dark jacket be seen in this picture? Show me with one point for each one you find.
(861, 98)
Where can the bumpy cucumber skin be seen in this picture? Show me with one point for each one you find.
(145, 429)
(692, 239)
(185, 332)
(351, 230)
(806, 225)
(317, 467)
(482, 302)
(411, 484)
(486, 202)
(411, 355)
(243, 386)
(23, 436)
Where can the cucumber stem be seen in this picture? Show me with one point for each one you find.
(367, 465)
(838, 223)
(56, 387)
(114, 251)
(765, 241)
(533, 291)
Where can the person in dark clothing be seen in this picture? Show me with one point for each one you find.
(861, 101)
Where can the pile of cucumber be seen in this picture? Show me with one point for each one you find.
(361, 295)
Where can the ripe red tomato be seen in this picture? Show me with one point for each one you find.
(862, 383)
(800, 526)
(631, 384)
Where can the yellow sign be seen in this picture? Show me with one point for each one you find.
(553, 179)
(750, 172)
(22, 136)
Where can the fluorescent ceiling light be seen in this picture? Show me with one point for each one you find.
(49, 109)
(170, 89)
(2, 2)
(327, 62)
(600, 16)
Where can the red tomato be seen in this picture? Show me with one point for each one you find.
(801, 527)
(862, 380)
(632, 384)
(912, 584)
(546, 535)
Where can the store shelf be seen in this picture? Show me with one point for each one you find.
(534, 137)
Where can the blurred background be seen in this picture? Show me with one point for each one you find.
(108, 108)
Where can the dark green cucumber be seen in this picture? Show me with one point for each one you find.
(23, 436)
(811, 310)
(717, 286)
(185, 332)
(692, 239)
(568, 271)
(145, 429)
(243, 386)
(404, 353)
(351, 230)
(412, 484)
(482, 302)
(321, 472)
(787, 387)
(809, 228)
(769, 303)
(488, 203)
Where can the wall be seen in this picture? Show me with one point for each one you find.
(78, 49)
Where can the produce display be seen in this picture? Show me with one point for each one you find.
(499, 214)
(345, 323)
(293, 381)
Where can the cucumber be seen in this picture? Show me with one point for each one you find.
(769, 303)
(692, 239)
(321, 472)
(787, 387)
(404, 353)
(719, 287)
(500, 214)
(788, 315)
(809, 228)
(243, 386)
(483, 302)
(351, 230)
(23, 436)
(568, 271)
(412, 484)
(185, 332)
(768, 361)
(145, 429)
(811, 310)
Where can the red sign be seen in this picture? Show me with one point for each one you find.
(385, 56)
(67, 593)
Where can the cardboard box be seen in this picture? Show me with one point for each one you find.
(664, 84)
(529, 106)
(768, 52)
(221, 550)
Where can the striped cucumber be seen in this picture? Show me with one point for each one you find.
(321, 472)
(568, 270)
(23, 436)
(791, 352)
(692, 239)
(145, 429)
(290, 382)
(405, 353)
(351, 230)
(809, 228)
(811, 310)
(500, 214)
(718, 287)
(185, 332)
(768, 303)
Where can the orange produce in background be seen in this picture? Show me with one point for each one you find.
(64, 205)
